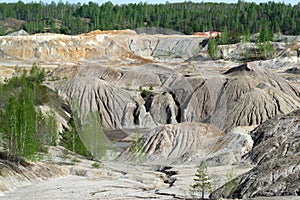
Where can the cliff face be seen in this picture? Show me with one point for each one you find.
(97, 45)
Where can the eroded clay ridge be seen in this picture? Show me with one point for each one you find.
(189, 142)
(143, 81)
(149, 95)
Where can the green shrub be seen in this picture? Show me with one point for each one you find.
(144, 93)
(35, 157)
(95, 165)
(74, 161)
(266, 50)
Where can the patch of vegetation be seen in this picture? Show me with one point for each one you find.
(36, 157)
(202, 182)
(169, 52)
(78, 18)
(96, 165)
(65, 155)
(246, 36)
(144, 93)
(74, 161)
(48, 129)
(84, 135)
(266, 50)
(151, 87)
(230, 184)
(137, 150)
(212, 48)
(25, 129)
(71, 140)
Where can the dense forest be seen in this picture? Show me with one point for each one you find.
(187, 17)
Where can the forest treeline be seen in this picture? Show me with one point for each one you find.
(187, 17)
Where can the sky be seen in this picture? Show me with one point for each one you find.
(293, 2)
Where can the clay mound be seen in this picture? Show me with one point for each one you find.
(117, 95)
(276, 151)
(243, 97)
(267, 95)
(190, 143)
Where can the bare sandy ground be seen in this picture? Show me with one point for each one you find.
(114, 180)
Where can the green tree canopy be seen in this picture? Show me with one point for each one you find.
(186, 17)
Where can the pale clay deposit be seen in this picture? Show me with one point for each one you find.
(240, 118)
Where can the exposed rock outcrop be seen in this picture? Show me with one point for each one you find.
(276, 152)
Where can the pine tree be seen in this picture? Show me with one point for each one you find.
(246, 35)
(212, 48)
(202, 181)
(224, 36)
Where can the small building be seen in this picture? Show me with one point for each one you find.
(208, 34)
